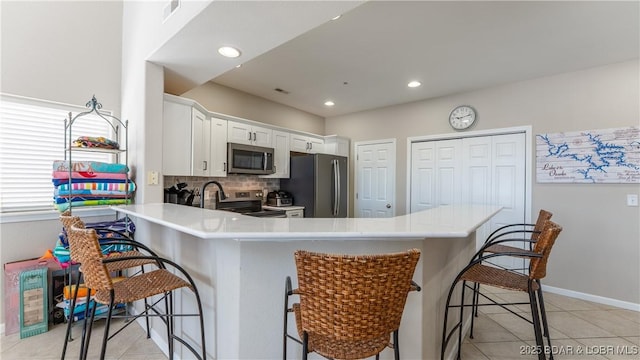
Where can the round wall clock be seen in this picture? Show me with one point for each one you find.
(462, 117)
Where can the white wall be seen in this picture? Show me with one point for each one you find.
(598, 252)
(225, 100)
(58, 51)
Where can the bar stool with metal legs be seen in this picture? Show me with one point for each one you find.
(497, 243)
(478, 273)
(116, 266)
(161, 282)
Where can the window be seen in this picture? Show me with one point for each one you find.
(32, 136)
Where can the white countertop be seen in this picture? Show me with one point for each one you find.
(453, 221)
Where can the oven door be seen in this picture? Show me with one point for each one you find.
(249, 159)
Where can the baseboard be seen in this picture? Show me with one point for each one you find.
(593, 298)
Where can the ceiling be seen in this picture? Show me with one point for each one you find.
(364, 59)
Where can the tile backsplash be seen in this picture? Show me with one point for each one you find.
(229, 183)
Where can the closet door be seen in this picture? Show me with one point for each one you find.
(493, 169)
(435, 174)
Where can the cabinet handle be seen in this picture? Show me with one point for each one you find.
(204, 165)
(310, 146)
(224, 166)
(249, 136)
(254, 137)
(307, 147)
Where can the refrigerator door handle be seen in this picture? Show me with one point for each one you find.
(335, 187)
(338, 190)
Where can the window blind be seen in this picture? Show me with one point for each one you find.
(32, 134)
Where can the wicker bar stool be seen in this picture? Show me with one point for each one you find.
(160, 282)
(122, 239)
(350, 305)
(479, 273)
(496, 243)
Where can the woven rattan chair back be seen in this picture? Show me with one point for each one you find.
(353, 297)
(546, 239)
(543, 216)
(84, 242)
(67, 222)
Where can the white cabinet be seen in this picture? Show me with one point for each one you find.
(191, 146)
(218, 148)
(244, 133)
(306, 144)
(176, 139)
(295, 213)
(290, 211)
(280, 155)
(337, 145)
(200, 143)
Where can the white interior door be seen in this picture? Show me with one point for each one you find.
(375, 174)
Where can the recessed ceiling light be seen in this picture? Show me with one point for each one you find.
(239, 65)
(336, 17)
(329, 103)
(229, 52)
(414, 84)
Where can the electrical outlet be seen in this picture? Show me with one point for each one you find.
(632, 200)
(152, 178)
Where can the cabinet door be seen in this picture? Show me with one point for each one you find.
(218, 155)
(299, 143)
(200, 145)
(281, 155)
(295, 213)
(262, 136)
(316, 145)
(176, 139)
(239, 133)
(306, 144)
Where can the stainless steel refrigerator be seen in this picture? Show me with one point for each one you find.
(319, 183)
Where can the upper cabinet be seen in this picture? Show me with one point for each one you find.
(193, 143)
(244, 133)
(200, 143)
(281, 155)
(306, 143)
(337, 145)
(218, 154)
(194, 140)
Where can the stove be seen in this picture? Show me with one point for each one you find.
(246, 202)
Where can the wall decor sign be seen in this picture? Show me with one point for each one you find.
(590, 156)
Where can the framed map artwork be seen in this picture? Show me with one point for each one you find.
(591, 156)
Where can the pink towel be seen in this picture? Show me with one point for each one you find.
(87, 175)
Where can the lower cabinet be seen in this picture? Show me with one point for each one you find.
(291, 211)
(295, 213)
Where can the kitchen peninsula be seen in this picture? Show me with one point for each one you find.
(239, 264)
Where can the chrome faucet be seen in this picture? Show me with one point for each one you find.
(204, 186)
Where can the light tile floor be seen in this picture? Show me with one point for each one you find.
(579, 330)
(599, 331)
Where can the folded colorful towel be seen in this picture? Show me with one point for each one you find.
(96, 142)
(96, 186)
(88, 175)
(57, 182)
(65, 206)
(89, 166)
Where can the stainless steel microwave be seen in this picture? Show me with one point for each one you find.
(249, 159)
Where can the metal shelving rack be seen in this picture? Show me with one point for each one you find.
(116, 125)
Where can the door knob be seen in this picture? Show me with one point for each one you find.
(388, 206)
